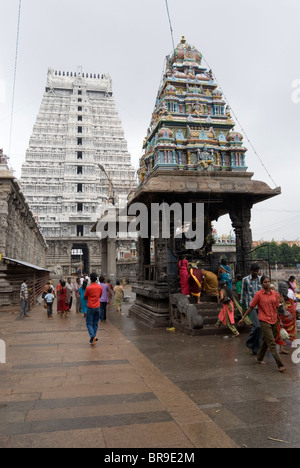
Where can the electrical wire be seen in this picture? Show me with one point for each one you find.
(272, 227)
(237, 120)
(15, 75)
(235, 116)
(171, 29)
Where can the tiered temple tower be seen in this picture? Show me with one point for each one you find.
(191, 125)
(192, 156)
(76, 130)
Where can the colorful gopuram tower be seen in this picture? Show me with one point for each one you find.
(191, 125)
(192, 155)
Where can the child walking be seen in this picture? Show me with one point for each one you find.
(49, 299)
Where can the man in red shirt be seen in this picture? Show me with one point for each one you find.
(93, 293)
(267, 301)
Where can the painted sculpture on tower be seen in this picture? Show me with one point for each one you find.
(191, 125)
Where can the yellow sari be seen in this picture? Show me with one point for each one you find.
(196, 277)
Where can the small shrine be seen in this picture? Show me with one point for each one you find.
(192, 154)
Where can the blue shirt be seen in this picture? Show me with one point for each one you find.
(49, 298)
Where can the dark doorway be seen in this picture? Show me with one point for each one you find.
(80, 260)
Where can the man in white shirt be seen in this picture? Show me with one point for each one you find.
(24, 300)
(250, 286)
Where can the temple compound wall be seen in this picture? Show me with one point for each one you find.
(22, 245)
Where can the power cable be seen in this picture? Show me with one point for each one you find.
(171, 29)
(237, 120)
(235, 116)
(15, 75)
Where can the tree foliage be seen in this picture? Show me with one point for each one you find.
(282, 254)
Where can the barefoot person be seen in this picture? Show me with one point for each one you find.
(226, 315)
(184, 276)
(250, 286)
(268, 303)
(119, 296)
(93, 293)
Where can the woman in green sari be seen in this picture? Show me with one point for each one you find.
(119, 295)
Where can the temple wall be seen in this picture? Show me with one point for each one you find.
(20, 240)
(20, 236)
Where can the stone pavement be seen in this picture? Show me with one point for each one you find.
(139, 388)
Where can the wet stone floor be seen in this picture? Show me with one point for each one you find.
(256, 406)
(140, 387)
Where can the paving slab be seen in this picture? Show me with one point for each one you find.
(139, 387)
(58, 391)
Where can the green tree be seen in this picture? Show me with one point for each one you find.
(273, 248)
(282, 254)
(285, 254)
(295, 253)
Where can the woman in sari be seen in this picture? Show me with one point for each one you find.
(195, 282)
(119, 294)
(226, 316)
(82, 300)
(210, 284)
(62, 306)
(288, 316)
(184, 276)
(224, 273)
(292, 283)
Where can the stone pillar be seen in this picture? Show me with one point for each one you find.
(104, 259)
(111, 257)
(161, 259)
(152, 292)
(144, 256)
(3, 219)
(240, 215)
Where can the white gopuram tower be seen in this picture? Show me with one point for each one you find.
(77, 159)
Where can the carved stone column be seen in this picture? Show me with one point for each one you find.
(3, 219)
(161, 259)
(240, 215)
(143, 250)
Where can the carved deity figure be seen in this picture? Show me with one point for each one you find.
(3, 158)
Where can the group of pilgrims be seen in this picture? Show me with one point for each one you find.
(271, 313)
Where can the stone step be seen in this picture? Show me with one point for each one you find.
(209, 311)
(208, 319)
(208, 329)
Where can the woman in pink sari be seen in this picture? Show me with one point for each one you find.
(184, 276)
(288, 316)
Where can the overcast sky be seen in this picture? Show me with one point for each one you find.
(252, 46)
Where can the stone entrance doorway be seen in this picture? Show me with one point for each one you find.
(80, 259)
